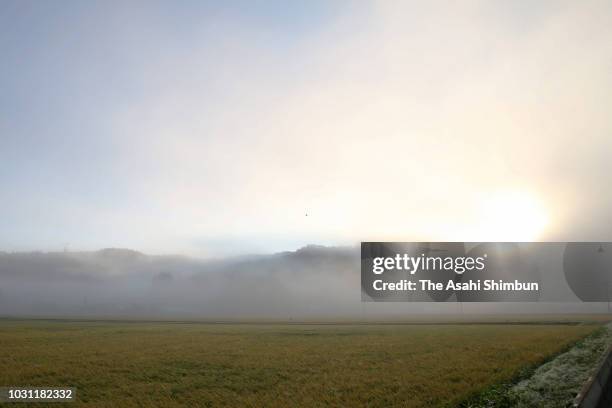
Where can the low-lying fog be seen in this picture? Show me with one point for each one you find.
(311, 283)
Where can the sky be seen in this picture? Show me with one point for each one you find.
(222, 128)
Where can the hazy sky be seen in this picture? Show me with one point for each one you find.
(211, 128)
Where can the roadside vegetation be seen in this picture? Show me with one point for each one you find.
(553, 384)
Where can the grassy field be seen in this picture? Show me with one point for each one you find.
(172, 364)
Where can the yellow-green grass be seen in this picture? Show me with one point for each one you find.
(172, 364)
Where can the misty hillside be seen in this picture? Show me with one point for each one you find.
(313, 280)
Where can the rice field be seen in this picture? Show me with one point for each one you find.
(197, 364)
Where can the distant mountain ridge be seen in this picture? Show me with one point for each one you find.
(119, 281)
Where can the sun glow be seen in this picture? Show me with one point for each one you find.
(513, 216)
